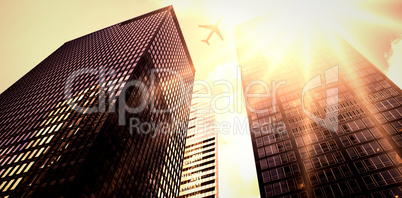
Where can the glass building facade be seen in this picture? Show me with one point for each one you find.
(324, 122)
(68, 128)
(200, 167)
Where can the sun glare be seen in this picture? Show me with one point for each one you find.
(290, 18)
(287, 21)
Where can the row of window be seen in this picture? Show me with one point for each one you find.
(313, 138)
(11, 185)
(338, 190)
(277, 160)
(44, 95)
(383, 178)
(323, 161)
(342, 106)
(393, 128)
(296, 120)
(20, 138)
(378, 162)
(333, 100)
(200, 145)
(356, 125)
(318, 149)
(280, 173)
(349, 115)
(305, 128)
(323, 94)
(397, 125)
(198, 171)
(17, 169)
(206, 160)
(378, 96)
(15, 156)
(398, 140)
(369, 149)
(271, 138)
(390, 116)
(360, 137)
(372, 88)
(393, 192)
(284, 186)
(267, 120)
(273, 128)
(24, 155)
(291, 104)
(198, 176)
(265, 111)
(198, 159)
(202, 191)
(389, 104)
(329, 175)
(197, 183)
(275, 148)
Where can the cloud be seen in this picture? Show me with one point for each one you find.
(394, 59)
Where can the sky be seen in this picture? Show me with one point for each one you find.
(32, 30)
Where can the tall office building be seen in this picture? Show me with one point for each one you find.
(85, 121)
(326, 122)
(200, 167)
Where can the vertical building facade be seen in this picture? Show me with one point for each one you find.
(200, 167)
(329, 124)
(85, 121)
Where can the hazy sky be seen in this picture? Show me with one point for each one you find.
(32, 30)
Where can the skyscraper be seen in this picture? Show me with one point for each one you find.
(324, 121)
(87, 121)
(200, 167)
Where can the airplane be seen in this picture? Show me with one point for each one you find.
(214, 29)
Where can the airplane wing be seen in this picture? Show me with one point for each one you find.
(218, 33)
(207, 26)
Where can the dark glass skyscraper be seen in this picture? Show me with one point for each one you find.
(87, 121)
(325, 122)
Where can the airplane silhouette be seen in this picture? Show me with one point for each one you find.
(214, 29)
